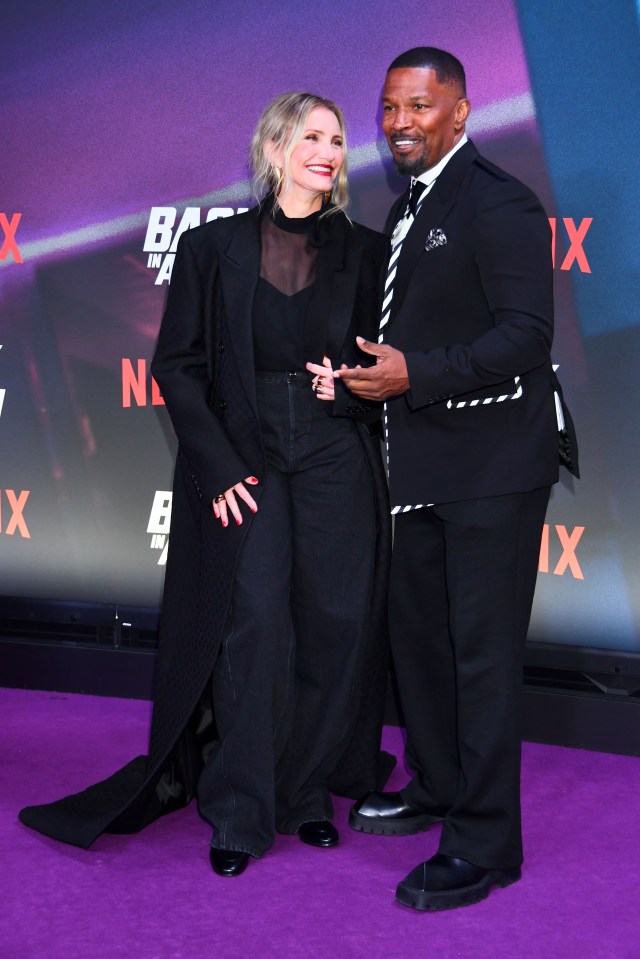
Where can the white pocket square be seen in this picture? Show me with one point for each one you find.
(435, 238)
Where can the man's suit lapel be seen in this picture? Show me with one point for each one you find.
(432, 214)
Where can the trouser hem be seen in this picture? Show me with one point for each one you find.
(292, 827)
(237, 847)
(481, 860)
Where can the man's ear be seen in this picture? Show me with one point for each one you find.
(463, 109)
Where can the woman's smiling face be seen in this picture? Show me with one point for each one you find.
(318, 156)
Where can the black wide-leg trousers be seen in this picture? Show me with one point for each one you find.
(462, 583)
(283, 680)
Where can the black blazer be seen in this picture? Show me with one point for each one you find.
(472, 310)
(204, 356)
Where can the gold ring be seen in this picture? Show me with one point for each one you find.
(219, 499)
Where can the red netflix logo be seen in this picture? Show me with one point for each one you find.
(17, 503)
(9, 244)
(576, 236)
(134, 385)
(568, 542)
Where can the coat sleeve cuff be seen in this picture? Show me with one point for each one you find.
(424, 388)
(348, 404)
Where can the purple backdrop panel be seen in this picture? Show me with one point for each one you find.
(128, 122)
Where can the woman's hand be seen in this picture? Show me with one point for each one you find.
(229, 501)
(322, 383)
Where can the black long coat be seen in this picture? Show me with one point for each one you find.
(204, 366)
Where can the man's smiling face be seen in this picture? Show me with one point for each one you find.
(423, 119)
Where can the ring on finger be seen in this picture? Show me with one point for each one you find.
(219, 499)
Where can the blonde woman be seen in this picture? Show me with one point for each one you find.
(271, 669)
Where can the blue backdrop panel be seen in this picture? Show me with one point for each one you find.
(584, 65)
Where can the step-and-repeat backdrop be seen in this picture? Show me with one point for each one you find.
(124, 124)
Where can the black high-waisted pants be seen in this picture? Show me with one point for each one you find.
(282, 682)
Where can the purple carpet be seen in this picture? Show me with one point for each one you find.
(153, 895)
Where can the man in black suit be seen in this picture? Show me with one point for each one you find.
(473, 413)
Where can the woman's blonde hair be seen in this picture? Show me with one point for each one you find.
(282, 125)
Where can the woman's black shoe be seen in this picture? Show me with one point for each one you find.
(322, 833)
(228, 862)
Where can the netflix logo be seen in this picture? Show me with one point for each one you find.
(575, 255)
(8, 228)
(560, 543)
(12, 520)
(137, 388)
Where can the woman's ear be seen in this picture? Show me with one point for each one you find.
(274, 154)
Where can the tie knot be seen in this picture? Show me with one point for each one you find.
(414, 196)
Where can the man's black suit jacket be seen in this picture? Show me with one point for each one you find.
(474, 318)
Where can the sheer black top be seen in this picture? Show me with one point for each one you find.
(288, 263)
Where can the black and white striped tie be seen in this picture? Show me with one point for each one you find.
(397, 237)
(416, 195)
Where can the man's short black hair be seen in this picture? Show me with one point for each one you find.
(448, 68)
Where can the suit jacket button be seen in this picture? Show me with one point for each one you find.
(222, 405)
(220, 347)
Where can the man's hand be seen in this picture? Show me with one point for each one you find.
(387, 378)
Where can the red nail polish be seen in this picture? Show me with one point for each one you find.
(254, 509)
(238, 521)
(252, 479)
(224, 523)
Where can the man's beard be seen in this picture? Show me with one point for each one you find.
(412, 167)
